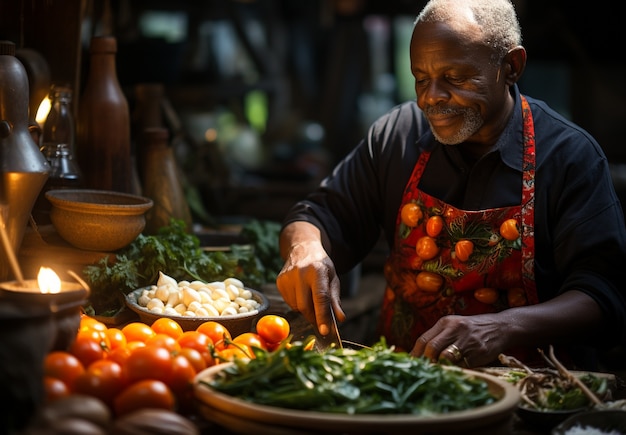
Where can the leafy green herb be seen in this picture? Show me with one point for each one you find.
(564, 397)
(264, 236)
(375, 380)
(172, 251)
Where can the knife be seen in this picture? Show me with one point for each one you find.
(332, 339)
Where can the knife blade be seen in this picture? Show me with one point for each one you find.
(332, 339)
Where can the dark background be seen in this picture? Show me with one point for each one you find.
(324, 69)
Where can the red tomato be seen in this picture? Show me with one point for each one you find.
(181, 376)
(100, 337)
(218, 333)
(137, 331)
(194, 357)
(200, 342)
(164, 340)
(181, 383)
(54, 389)
(120, 355)
(87, 350)
(251, 340)
(116, 338)
(149, 362)
(238, 351)
(165, 325)
(132, 345)
(148, 393)
(88, 323)
(273, 328)
(104, 379)
(63, 366)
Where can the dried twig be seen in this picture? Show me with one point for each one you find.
(566, 374)
(511, 361)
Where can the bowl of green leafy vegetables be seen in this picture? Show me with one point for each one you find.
(367, 390)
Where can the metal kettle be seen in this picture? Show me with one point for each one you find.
(23, 167)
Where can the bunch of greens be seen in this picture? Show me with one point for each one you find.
(174, 252)
(375, 380)
(264, 236)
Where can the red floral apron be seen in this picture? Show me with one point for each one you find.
(451, 261)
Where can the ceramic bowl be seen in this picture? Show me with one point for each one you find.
(543, 419)
(236, 324)
(609, 421)
(97, 220)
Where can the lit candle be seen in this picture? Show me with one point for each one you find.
(47, 288)
(48, 280)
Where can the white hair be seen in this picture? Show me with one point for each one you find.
(496, 18)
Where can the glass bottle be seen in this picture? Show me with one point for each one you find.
(59, 126)
(103, 147)
(64, 174)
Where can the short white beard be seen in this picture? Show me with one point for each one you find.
(472, 121)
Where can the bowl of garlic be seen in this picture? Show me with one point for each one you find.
(191, 303)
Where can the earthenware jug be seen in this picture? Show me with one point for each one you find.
(23, 167)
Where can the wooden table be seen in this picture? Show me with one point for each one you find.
(362, 311)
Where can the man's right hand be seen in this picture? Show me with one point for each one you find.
(308, 281)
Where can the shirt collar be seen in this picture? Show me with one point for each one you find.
(512, 137)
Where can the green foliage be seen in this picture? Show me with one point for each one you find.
(174, 252)
(376, 380)
(264, 236)
(571, 396)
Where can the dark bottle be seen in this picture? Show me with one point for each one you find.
(147, 113)
(59, 126)
(103, 146)
(162, 182)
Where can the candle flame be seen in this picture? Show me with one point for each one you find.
(43, 110)
(48, 280)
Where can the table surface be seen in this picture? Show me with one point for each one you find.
(360, 309)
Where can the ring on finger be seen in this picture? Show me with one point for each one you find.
(456, 353)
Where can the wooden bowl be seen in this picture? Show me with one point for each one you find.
(236, 324)
(97, 220)
(243, 417)
(545, 419)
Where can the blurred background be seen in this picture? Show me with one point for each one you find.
(262, 97)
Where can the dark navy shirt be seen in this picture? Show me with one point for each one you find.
(580, 235)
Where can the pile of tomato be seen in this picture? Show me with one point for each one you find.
(141, 366)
